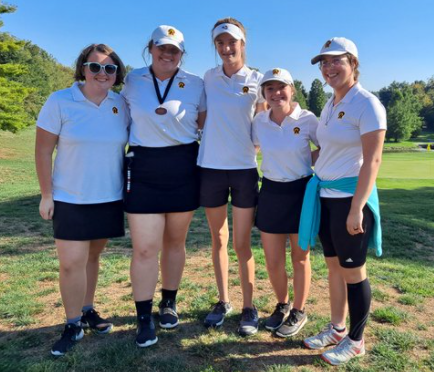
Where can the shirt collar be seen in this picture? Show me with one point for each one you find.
(243, 71)
(180, 75)
(78, 95)
(351, 93)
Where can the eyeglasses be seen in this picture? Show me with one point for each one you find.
(95, 68)
(337, 61)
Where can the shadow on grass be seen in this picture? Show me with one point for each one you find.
(190, 347)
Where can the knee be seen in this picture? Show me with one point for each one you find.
(146, 253)
(68, 267)
(275, 266)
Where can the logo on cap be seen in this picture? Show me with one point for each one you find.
(181, 84)
(296, 130)
(115, 110)
(245, 89)
(327, 44)
(276, 71)
(225, 27)
(171, 32)
(341, 115)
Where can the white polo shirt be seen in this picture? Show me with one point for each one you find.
(178, 126)
(231, 102)
(91, 145)
(339, 135)
(285, 148)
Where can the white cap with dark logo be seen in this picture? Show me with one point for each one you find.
(278, 74)
(335, 47)
(163, 35)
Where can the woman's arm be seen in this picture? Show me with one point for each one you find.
(45, 144)
(201, 120)
(260, 107)
(372, 147)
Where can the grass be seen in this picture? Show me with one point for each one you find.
(398, 336)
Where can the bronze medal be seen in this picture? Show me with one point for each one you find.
(160, 111)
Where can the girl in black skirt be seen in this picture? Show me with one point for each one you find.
(88, 124)
(284, 133)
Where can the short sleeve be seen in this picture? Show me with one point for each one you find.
(50, 118)
(255, 138)
(202, 102)
(373, 117)
(313, 126)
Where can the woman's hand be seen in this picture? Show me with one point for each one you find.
(354, 222)
(46, 208)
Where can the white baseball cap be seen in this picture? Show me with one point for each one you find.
(163, 35)
(336, 46)
(278, 74)
(230, 29)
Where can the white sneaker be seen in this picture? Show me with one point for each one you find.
(327, 337)
(346, 350)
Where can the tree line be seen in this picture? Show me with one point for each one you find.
(28, 74)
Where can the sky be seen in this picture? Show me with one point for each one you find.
(395, 38)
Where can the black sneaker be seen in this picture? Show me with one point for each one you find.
(249, 322)
(295, 322)
(280, 313)
(70, 336)
(217, 316)
(146, 331)
(168, 316)
(91, 319)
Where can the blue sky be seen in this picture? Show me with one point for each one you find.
(395, 37)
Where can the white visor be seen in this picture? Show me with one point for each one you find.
(230, 29)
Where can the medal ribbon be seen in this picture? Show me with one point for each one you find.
(157, 89)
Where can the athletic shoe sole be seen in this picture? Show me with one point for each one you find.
(58, 353)
(96, 330)
(244, 334)
(338, 364)
(168, 325)
(148, 343)
(275, 328)
(218, 324)
(293, 333)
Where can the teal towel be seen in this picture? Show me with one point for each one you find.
(311, 211)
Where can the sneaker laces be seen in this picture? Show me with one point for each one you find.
(248, 314)
(219, 307)
(280, 309)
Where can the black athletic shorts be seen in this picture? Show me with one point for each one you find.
(217, 184)
(88, 221)
(335, 239)
(279, 206)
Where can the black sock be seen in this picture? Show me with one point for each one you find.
(359, 302)
(144, 307)
(167, 294)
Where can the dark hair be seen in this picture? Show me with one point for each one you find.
(104, 49)
(235, 22)
(355, 63)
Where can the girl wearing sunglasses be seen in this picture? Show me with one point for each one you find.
(162, 186)
(351, 134)
(88, 125)
(228, 166)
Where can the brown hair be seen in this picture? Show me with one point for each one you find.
(237, 23)
(104, 49)
(354, 62)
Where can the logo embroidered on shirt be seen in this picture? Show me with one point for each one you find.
(245, 89)
(341, 115)
(349, 260)
(171, 32)
(115, 110)
(327, 44)
(276, 71)
(296, 130)
(181, 84)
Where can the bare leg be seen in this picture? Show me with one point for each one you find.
(338, 292)
(302, 272)
(275, 258)
(147, 236)
(172, 258)
(73, 256)
(242, 227)
(92, 269)
(218, 225)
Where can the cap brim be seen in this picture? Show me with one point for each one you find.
(318, 58)
(165, 41)
(276, 79)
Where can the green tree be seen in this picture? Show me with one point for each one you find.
(301, 94)
(317, 97)
(403, 114)
(12, 94)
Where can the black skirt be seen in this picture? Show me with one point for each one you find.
(88, 221)
(161, 179)
(279, 206)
